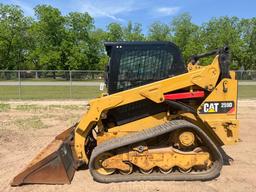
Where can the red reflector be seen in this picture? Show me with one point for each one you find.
(232, 110)
(185, 95)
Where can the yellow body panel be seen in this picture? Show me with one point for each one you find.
(225, 125)
(202, 77)
(134, 126)
(165, 159)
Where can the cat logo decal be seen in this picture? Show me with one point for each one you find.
(217, 107)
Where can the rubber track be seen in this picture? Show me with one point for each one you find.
(209, 174)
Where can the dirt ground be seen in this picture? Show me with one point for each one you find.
(25, 128)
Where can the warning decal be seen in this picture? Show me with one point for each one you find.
(217, 107)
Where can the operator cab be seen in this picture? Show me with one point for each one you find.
(133, 64)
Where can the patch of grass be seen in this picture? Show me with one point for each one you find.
(246, 91)
(29, 107)
(4, 107)
(49, 92)
(32, 122)
(79, 92)
(68, 107)
(36, 108)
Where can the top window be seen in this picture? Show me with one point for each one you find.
(138, 67)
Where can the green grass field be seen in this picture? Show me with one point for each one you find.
(48, 92)
(80, 92)
(247, 91)
(49, 80)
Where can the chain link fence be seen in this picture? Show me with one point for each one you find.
(50, 75)
(248, 75)
(50, 84)
(64, 84)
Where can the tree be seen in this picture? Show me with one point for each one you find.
(133, 32)
(78, 48)
(247, 58)
(48, 33)
(159, 32)
(115, 32)
(100, 36)
(53, 41)
(222, 31)
(14, 39)
(186, 35)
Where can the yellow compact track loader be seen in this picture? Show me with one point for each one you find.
(160, 120)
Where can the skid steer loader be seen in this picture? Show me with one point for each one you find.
(160, 120)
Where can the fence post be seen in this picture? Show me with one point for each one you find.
(70, 87)
(19, 84)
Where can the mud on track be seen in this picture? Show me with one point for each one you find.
(26, 129)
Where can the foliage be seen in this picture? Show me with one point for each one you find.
(14, 39)
(114, 32)
(133, 32)
(159, 32)
(247, 31)
(51, 40)
(187, 35)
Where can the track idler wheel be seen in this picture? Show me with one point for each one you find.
(146, 172)
(165, 172)
(185, 170)
(99, 164)
(129, 171)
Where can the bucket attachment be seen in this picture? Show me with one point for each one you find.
(53, 165)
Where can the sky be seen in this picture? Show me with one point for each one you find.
(145, 11)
